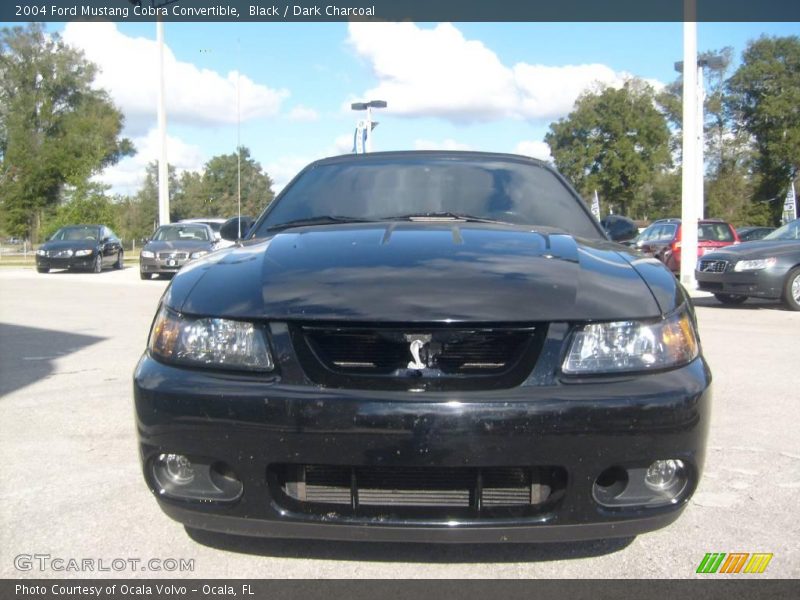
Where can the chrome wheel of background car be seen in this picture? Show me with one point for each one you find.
(791, 290)
(730, 299)
(98, 263)
(120, 258)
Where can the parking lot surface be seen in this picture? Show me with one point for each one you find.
(71, 485)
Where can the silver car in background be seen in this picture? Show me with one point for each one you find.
(172, 246)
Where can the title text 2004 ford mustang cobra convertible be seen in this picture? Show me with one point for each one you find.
(429, 347)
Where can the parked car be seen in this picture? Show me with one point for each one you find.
(662, 239)
(87, 247)
(768, 268)
(172, 246)
(751, 233)
(426, 346)
(619, 228)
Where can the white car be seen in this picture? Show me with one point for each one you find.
(215, 223)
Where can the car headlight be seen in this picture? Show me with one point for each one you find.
(755, 264)
(83, 252)
(624, 346)
(147, 254)
(219, 343)
(198, 254)
(41, 252)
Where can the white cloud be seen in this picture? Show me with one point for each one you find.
(343, 144)
(303, 114)
(447, 144)
(534, 149)
(438, 72)
(128, 70)
(127, 176)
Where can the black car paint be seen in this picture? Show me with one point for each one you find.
(108, 247)
(424, 274)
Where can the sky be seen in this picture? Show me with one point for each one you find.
(472, 86)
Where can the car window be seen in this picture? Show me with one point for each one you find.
(181, 233)
(790, 231)
(390, 187)
(714, 232)
(74, 234)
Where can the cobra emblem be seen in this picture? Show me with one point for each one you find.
(418, 342)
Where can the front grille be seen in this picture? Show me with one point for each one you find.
(60, 253)
(175, 255)
(712, 266)
(420, 490)
(434, 358)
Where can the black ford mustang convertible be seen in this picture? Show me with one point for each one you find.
(424, 346)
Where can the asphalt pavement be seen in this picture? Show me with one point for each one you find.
(71, 487)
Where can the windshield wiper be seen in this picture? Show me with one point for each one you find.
(446, 216)
(310, 221)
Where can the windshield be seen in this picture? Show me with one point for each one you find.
(76, 234)
(790, 231)
(714, 232)
(181, 233)
(394, 187)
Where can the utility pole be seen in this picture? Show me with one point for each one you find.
(690, 158)
(163, 169)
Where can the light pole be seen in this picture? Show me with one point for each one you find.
(690, 164)
(712, 62)
(163, 169)
(368, 106)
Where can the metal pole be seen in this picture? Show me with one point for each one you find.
(690, 165)
(238, 143)
(368, 143)
(701, 168)
(163, 169)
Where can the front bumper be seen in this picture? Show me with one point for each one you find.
(583, 427)
(767, 283)
(72, 262)
(161, 265)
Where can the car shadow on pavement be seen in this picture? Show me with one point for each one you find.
(407, 552)
(27, 353)
(749, 304)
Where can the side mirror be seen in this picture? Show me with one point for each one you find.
(231, 228)
(105, 240)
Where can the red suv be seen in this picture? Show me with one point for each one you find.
(662, 239)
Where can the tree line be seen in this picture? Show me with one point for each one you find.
(625, 143)
(58, 131)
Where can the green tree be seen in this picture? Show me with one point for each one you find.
(87, 203)
(764, 93)
(220, 183)
(56, 130)
(615, 141)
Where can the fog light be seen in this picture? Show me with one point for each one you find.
(177, 468)
(662, 474)
(195, 478)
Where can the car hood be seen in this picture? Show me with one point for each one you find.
(756, 249)
(69, 245)
(418, 272)
(180, 246)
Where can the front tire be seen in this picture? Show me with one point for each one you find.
(791, 289)
(98, 264)
(120, 259)
(730, 299)
(143, 275)
(42, 269)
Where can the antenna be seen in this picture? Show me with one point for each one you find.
(239, 136)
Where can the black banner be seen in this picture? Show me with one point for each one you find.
(399, 10)
(118, 589)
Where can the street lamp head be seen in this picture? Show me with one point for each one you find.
(370, 104)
